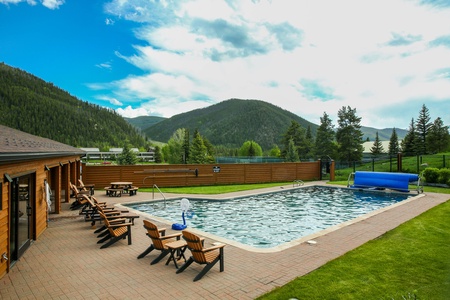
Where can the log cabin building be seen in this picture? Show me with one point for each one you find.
(34, 180)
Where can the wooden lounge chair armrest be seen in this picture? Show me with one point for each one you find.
(120, 225)
(112, 215)
(116, 220)
(177, 235)
(213, 248)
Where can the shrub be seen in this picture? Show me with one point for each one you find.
(431, 175)
(444, 176)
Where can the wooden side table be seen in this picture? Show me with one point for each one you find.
(178, 248)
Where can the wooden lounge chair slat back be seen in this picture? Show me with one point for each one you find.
(159, 240)
(201, 255)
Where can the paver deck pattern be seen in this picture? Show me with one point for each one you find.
(67, 263)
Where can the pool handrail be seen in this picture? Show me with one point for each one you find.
(298, 182)
(153, 193)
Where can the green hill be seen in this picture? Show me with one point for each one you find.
(32, 105)
(232, 122)
(144, 122)
(383, 134)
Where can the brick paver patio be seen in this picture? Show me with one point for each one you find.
(66, 262)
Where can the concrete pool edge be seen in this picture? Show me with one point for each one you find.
(281, 247)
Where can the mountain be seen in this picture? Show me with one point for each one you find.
(29, 104)
(144, 122)
(232, 122)
(383, 134)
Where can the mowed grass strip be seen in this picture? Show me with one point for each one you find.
(409, 262)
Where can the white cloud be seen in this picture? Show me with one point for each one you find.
(109, 21)
(105, 65)
(111, 100)
(52, 4)
(304, 56)
(30, 2)
(130, 112)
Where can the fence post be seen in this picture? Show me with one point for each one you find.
(332, 168)
(373, 164)
(399, 162)
(443, 158)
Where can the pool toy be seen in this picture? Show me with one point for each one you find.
(185, 205)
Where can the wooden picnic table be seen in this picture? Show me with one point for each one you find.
(117, 188)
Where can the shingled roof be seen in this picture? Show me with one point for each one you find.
(16, 145)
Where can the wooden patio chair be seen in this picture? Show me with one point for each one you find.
(86, 187)
(114, 216)
(118, 229)
(201, 255)
(159, 241)
(80, 201)
(91, 212)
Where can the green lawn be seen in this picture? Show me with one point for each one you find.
(409, 262)
(215, 189)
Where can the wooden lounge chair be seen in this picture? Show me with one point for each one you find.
(79, 202)
(159, 241)
(86, 187)
(92, 211)
(118, 230)
(204, 256)
(113, 216)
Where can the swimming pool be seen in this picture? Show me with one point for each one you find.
(268, 220)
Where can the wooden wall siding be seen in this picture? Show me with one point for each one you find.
(176, 175)
(38, 168)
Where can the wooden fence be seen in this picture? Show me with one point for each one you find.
(197, 175)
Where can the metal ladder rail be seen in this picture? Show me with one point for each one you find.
(297, 182)
(153, 192)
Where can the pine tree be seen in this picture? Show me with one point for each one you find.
(377, 148)
(394, 147)
(295, 133)
(292, 154)
(158, 155)
(438, 137)
(127, 157)
(308, 148)
(198, 153)
(325, 138)
(349, 135)
(422, 127)
(409, 143)
(186, 146)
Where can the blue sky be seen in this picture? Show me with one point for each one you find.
(385, 58)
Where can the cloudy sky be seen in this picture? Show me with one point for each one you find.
(385, 58)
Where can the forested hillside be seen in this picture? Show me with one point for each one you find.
(34, 106)
(232, 122)
(144, 122)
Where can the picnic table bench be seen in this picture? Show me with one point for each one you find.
(116, 189)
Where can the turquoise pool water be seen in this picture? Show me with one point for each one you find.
(268, 220)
